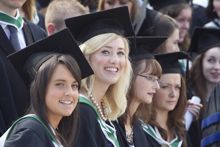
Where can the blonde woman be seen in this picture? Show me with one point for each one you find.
(103, 95)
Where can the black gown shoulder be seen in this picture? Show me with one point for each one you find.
(90, 133)
(28, 133)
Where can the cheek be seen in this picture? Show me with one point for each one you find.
(123, 63)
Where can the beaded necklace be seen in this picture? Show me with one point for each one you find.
(99, 108)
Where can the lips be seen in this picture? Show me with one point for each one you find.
(112, 69)
(66, 102)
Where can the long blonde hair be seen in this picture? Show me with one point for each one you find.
(115, 96)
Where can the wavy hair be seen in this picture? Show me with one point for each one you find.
(115, 96)
(175, 118)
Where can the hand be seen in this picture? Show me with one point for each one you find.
(194, 109)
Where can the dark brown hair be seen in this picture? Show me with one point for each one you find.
(196, 78)
(68, 125)
(174, 11)
(175, 117)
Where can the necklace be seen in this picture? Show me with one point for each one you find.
(99, 108)
(129, 137)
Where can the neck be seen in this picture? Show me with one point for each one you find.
(133, 106)
(8, 11)
(162, 118)
(210, 87)
(99, 91)
(54, 121)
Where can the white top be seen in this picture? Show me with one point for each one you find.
(20, 33)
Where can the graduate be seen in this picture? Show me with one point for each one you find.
(103, 95)
(15, 34)
(144, 83)
(204, 80)
(55, 67)
(166, 124)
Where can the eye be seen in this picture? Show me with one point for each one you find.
(75, 86)
(211, 60)
(178, 87)
(60, 85)
(105, 52)
(110, 2)
(121, 53)
(164, 86)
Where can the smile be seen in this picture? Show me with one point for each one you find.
(66, 102)
(114, 69)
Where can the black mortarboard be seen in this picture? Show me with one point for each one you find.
(61, 42)
(143, 46)
(160, 4)
(115, 20)
(169, 61)
(204, 39)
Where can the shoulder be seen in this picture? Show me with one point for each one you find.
(28, 132)
(38, 31)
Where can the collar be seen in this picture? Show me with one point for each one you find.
(154, 132)
(16, 21)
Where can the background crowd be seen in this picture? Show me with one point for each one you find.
(109, 73)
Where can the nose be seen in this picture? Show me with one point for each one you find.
(156, 85)
(173, 93)
(186, 25)
(70, 92)
(217, 66)
(114, 58)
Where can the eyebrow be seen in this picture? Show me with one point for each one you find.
(111, 47)
(61, 80)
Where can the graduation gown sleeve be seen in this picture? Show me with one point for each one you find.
(90, 133)
(29, 133)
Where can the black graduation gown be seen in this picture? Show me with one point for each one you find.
(90, 132)
(29, 133)
(14, 94)
(211, 107)
(138, 134)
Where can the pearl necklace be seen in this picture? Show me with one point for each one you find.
(100, 109)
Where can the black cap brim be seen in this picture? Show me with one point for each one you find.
(169, 61)
(142, 47)
(61, 42)
(204, 39)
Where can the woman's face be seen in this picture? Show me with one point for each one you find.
(62, 93)
(167, 96)
(184, 20)
(145, 86)
(109, 62)
(109, 4)
(172, 42)
(216, 7)
(211, 65)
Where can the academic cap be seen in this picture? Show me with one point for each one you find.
(61, 42)
(143, 46)
(204, 39)
(160, 4)
(169, 61)
(115, 20)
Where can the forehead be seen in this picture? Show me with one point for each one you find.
(170, 78)
(116, 43)
(215, 51)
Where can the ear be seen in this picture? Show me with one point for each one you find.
(50, 28)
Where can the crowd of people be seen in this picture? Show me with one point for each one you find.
(109, 73)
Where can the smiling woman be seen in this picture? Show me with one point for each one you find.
(103, 95)
(55, 77)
